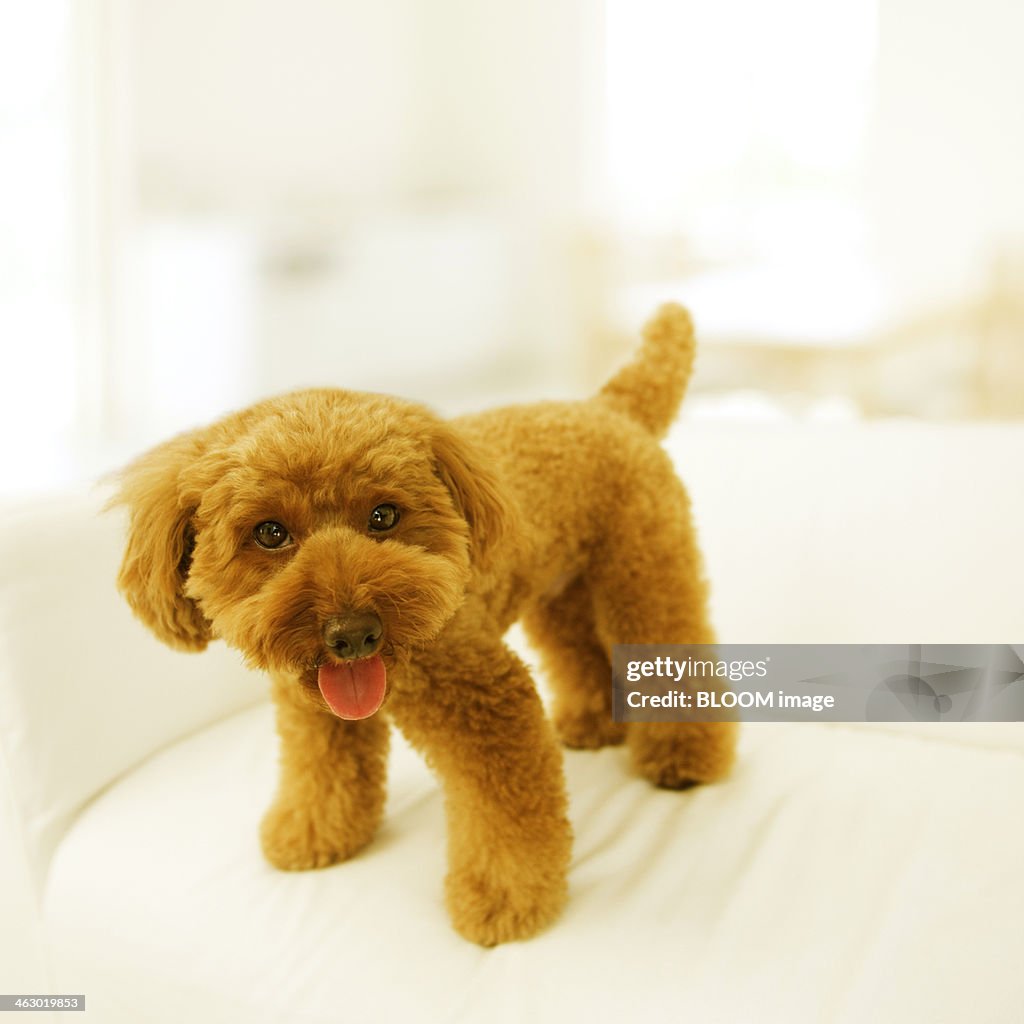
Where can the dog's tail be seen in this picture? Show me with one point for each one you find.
(650, 389)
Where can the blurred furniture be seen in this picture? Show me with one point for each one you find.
(843, 873)
(809, 331)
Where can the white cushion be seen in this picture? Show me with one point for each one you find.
(900, 533)
(842, 875)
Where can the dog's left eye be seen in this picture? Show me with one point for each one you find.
(383, 517)
(271, 535)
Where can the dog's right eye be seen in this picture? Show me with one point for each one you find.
(271, 535)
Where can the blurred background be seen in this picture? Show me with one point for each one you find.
(208, 201)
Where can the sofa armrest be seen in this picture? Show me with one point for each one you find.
(22, 962)
(85, 691)
(881, 532)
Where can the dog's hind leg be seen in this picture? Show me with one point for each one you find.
(648, 588)
(577, 667)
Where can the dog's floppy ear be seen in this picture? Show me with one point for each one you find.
(477, 492)
(160, 542)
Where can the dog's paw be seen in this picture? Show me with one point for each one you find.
(677, 755)
(588, 730)
(489, 910)
(293, 841)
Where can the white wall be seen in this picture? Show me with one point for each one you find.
(391, 189)
(947, 157)
(244, 103)
(333, 102)
(503, 101)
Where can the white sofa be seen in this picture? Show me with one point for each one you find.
(843, 873)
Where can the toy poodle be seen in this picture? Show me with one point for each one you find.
(370, 557)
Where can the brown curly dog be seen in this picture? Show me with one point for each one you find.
(371, 556)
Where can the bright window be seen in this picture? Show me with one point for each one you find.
(738, 123)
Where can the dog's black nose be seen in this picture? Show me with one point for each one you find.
(355, 635)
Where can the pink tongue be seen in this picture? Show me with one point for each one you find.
(353, 689)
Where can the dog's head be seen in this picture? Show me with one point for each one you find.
(322, 534)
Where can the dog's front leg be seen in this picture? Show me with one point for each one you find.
(331, 791)
(472, 709)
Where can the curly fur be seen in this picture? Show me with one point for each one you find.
(567, 515)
